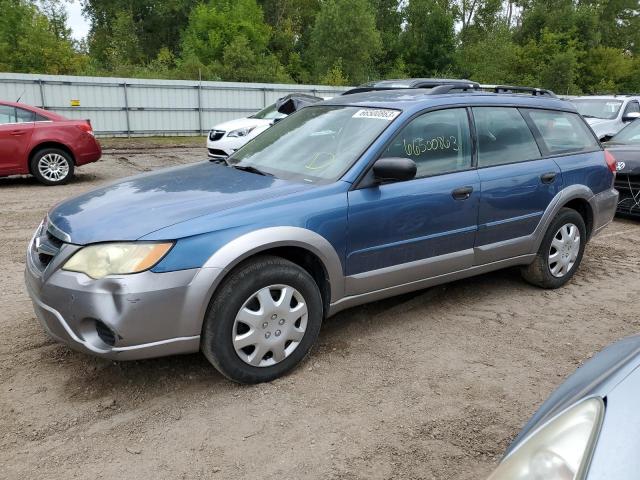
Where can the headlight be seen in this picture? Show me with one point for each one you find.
(560, 450)
(104, 259)
(241, 132)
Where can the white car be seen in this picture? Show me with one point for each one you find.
(225, 138)
(608, 114)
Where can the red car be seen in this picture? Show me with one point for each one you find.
(44, 144)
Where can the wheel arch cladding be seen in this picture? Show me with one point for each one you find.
(303, 247)
(45, 145)
(583, 207)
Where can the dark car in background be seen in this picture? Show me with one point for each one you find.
(44, 144)
(625, 147)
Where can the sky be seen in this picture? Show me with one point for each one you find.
(78, 24)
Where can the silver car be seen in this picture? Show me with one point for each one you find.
(608, 114)
(588, 428)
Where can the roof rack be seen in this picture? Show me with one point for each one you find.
(443, 89)
(536, 92)
(413, 83)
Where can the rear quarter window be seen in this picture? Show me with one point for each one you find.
(562, 132)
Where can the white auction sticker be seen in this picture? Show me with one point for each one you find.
(377, 113)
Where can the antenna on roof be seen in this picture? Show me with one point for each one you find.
(20, 96)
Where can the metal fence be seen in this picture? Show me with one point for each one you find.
(139, 107)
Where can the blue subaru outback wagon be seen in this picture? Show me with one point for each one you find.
(347, 201)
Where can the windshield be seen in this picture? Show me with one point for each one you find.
(598, 107)
(628, 135)
(268, 113)
(315, 144)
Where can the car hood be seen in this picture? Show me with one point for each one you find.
(627, 157)
(602, 126)
(132, 208)
(242, 123)
(597, 377)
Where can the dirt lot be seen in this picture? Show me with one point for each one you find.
(430, 385)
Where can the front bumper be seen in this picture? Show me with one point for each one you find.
(145, 315)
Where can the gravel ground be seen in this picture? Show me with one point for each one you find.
(430, 385)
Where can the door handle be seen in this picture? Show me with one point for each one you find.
(548, 177)
(462, 193)
(16, 133)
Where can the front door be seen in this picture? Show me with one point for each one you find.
(407, 231)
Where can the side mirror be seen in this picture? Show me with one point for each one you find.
(394, 169)
(631, 116)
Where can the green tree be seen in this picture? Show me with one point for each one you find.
(29, 43)
(229, 39)
(389, 24)
(157, 24)
(345, 34)
(429, 37)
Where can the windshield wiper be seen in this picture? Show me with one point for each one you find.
(252, 169)
(590, 116)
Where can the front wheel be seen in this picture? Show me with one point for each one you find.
(262, 321)
(560, 252)
(52, 166)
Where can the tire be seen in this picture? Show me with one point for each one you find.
(276, 336)
(559, 256)
(52, 166)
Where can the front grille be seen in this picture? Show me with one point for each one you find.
(44, 259)
(54, 240)
(45, 247)
(217, 153)
(629, 188)
(216, 135)
(105, 333)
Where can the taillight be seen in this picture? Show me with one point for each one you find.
(86, 127)
(611, 161)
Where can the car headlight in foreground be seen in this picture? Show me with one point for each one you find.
(98, 261)
(559, 450)
(241, 132)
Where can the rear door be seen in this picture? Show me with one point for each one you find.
(16, 128)
(517, 183)
(406, 231)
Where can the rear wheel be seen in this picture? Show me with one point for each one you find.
(560, 252)
(262, 321)
(52, 166)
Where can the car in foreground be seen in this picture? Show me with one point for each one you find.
(347, 201)
(225, 138)
(608, 114)
(625, 147)
(588, 428)
(44, 144)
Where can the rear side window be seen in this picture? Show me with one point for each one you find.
(439, 142)
(24, 116)
(503, 136)
(563, 132)
(7, 114)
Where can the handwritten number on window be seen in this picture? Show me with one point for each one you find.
(419, 145)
